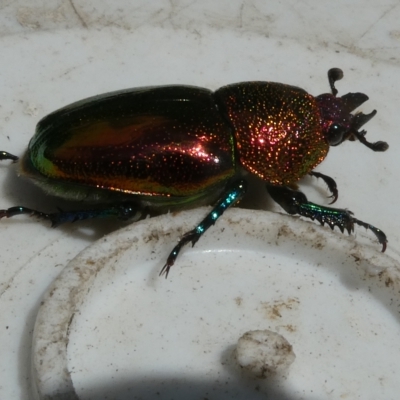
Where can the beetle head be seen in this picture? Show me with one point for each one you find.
(337, 121)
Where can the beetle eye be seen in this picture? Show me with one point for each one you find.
(336, 134)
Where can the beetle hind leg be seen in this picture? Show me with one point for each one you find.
(4, 155)
(122, 211)
(233, 194)
(295, 202)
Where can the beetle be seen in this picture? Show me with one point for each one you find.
(154, 149)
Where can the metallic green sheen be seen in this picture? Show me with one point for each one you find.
(169, 141)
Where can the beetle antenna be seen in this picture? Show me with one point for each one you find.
(376, 146)
(359, 120)
(334, 74)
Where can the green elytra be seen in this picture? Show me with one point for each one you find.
(150, 150)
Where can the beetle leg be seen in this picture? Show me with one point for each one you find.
(231, 196)
(8, 156)
(295, 202)
(330, 183)
(123, 211)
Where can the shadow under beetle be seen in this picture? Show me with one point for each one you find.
(154, 149)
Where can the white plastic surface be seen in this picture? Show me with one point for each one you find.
(110, 327)
(55, 52)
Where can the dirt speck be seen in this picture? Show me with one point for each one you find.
(238, 301)
(275, 309)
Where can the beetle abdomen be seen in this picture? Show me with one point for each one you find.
(165, 141)
(277, 129)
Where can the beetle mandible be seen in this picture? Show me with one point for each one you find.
(154, 149)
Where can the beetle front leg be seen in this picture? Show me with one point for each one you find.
(330, 182)
(233, 194)
(295, 202)
(122, 211)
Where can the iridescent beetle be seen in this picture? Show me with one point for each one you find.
(154, 149)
